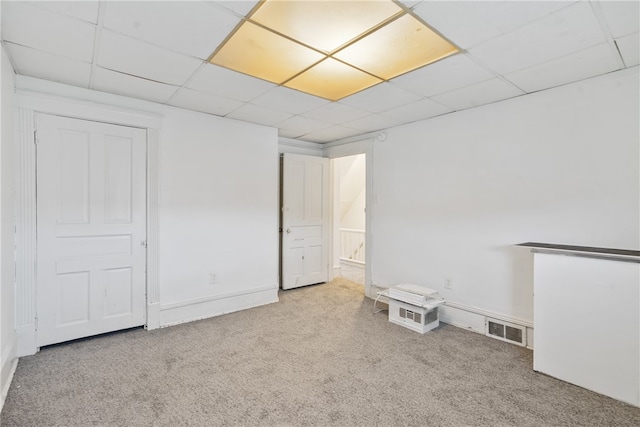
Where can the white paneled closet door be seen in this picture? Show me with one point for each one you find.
(91, 228)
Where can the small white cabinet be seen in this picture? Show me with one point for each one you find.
(586, 318)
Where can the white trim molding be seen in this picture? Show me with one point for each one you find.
(85, 110)
(216, 305)
(153, 248)
(474, 318)
(294, 146)
(25, 232)
(28, 104)
(349, 148)
(8, 364)
(491, 314)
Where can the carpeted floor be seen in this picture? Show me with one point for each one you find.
(319, 357)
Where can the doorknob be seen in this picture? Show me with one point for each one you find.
(288, 230)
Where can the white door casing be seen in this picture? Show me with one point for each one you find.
(91, 228)
(305, 220)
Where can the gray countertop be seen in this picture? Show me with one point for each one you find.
(585, 251)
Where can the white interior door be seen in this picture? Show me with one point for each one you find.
(91, 228)
(305, 220)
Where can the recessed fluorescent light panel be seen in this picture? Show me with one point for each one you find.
(328, 48)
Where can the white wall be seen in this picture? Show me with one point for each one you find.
(452, 195)
(218, 206)
(218, 201)
(7, 221)
(294, 146)
(352, 191)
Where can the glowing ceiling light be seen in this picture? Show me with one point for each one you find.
(330, 49)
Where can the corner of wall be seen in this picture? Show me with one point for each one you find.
(8, 364)
(8, 340)
(153, 316)
(26, 340)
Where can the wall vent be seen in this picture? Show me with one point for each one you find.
(505, 331)
(412, 315)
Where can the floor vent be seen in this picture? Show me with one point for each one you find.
(505, 331)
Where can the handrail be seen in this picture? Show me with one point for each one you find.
(352, 244)
(353, 230)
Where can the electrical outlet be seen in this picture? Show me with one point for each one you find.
(448, 283)
(212, 278)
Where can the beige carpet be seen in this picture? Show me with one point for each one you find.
(319, 357)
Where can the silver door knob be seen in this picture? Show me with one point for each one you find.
(288, 230)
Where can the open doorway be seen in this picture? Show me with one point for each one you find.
(349, 217)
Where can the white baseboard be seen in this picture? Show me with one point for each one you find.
(462, 319)
(153, 316)
(8, 363)
(202, 308)
(472, 318)
(358, 264)
(27, 343)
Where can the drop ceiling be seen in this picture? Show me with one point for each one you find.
(159, 51)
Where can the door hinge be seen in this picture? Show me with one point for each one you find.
(35, 137)
(36, 323)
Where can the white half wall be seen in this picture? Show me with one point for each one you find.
(453, 194)
(7, 222)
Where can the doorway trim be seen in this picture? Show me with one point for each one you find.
(27, 104)
(364, 146)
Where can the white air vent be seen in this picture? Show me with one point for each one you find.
(505, 331)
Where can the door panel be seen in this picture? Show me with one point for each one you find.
(91, 225)
(305, 219)
(119, 289)
(73, 200)
(73, 298)
(118, 180)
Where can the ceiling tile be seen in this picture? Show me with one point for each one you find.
(127, 55)
(332, 80)
(239, 7)
(126, 85)
(382, 97)
(293, 134)
(86, 10)
(254, 50)
(630, 49)
(402, 45)
(230, 84)
(373, 122)
(57, 34)
(335, 113)
(323, 25)
(468, 23)
(450, 73)
(623, 17)
(478, 94)
(187, 27)
(587, 63)
(288, 100)
(567, 31)
(330, 134)
(200, 101)
(410, 3)
(419, 110)
(35, 63)
(301, 125)
(255, 114)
